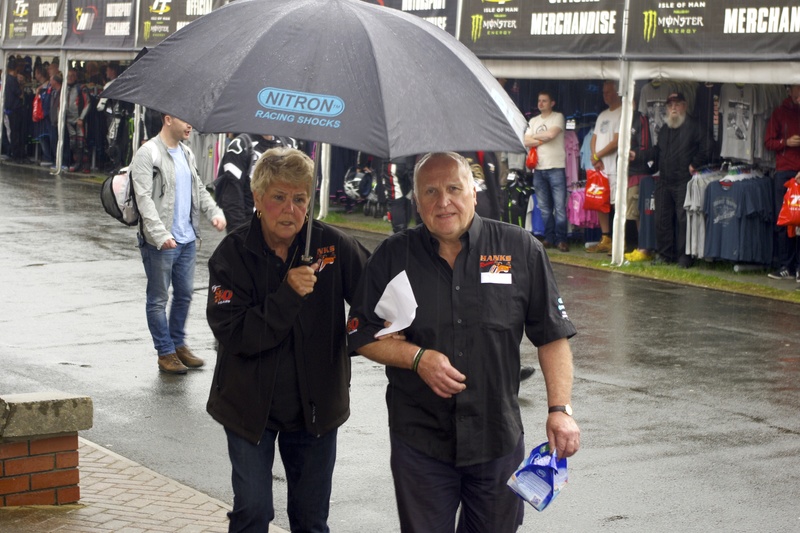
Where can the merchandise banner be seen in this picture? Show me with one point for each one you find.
(543, 29)
(441, 13)
(159, 19)
(34, 23)
(101, 25)
(714, 30)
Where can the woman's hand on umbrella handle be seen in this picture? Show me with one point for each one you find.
(302, 279)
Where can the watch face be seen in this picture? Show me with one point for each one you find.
(568, 409)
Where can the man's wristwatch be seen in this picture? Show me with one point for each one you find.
(566, 409)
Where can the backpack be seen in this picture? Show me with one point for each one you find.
(117, 196)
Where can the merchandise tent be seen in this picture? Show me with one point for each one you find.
(721, 41)
(85, 30)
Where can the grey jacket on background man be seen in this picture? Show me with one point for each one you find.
(153, 174)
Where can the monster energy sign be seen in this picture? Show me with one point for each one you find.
(714, 30)
(542, 28)
(160, 18)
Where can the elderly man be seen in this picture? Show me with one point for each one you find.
(455, 426)
(682, 149)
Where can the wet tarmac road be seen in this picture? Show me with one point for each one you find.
(687, 398)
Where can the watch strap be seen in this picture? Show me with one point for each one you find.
(560, 409)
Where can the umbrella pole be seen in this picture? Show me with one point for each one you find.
(308, 259)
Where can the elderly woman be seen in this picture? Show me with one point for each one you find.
(282, 371)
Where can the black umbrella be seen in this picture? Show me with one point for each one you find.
(343, 72)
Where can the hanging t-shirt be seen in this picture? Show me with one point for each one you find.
(182, 229)
(708, 115)
(695, 217)
(737, 108)
(653, 104)
(723, 210)
(768, 97)
(551, 154)
(586, 151)
(606, 128)
(572, 148)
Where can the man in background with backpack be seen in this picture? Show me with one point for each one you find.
(170, 197)
(232, 186)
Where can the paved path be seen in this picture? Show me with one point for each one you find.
(124, 497)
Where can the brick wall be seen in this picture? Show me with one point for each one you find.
(39, 472)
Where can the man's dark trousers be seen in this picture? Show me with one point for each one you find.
(785, 247)
(670, 218)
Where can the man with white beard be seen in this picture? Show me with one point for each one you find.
(682, 149)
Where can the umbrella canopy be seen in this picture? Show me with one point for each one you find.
(343, 72)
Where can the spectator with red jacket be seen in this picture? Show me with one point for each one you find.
(783, 138)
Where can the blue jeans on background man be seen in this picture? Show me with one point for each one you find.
(785, 247)
(308, 462)
(165, 267)
(551, 193)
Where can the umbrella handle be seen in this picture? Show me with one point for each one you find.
(307, 258)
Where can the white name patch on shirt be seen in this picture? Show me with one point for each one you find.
(500, 278)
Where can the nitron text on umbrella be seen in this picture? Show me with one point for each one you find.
(307, 103)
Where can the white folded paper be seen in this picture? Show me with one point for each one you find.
(397, 304)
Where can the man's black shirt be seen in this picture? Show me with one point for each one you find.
(474, 313)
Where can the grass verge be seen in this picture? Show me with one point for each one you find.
(716, 276)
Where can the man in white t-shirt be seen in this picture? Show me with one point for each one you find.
(604, 155)
(546, 134)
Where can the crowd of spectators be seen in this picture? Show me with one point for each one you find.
(97, 132)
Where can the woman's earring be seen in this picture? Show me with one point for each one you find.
(258, 214)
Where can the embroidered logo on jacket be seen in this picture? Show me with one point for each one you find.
(352, 325)
(325, 256)
(496, 264)
(221, 295)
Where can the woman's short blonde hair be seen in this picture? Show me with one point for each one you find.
(282, 165)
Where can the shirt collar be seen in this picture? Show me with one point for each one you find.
(254, 240)
(469, 238)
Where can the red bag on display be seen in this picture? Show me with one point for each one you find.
(38, 110)
(790, 210)
(532, 159)
(598, 192)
